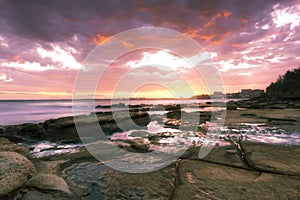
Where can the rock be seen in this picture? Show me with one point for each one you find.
(32, 130)
(156, 138)
(34, 194)
(15, 170)
(11, 132)
(225, 155)
(232, 107)
(62, 122)
(48, 182)
(95, 181)
(48, 167)
(103, 106)
(119, 105)
(272, 158)
(2, 130)
(140, 145)
(288, 119)
(202, 180)
(158, 107)
(172, 107)
(64, 129)
(60, 129)
(141, 133)
(6, 145)
(140, 118)
(174, 114)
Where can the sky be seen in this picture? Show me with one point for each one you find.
(43, 44)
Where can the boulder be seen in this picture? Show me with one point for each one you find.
(6, 145)
(48, 182)
(15, 170)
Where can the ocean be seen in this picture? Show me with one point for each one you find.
(14, 112)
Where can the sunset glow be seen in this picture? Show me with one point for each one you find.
(43, 44)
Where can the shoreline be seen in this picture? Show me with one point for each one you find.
(284, 118)
(66, 171)
(247, 169)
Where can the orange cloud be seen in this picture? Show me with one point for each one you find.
(207, 37)
(16, 58)
(227, 34)
(227, 14)
(217, 42)
(100, 39)
(193, 33)
(236, 45)
(244, 21)
(127, 44)
(217, 16)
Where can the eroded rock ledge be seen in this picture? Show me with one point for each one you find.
(272, 172)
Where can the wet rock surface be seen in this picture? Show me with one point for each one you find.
(64, 129)
(34, 194)
(264, 102)
(227, 155)
(235, 169)
(202, 180)
(272, 158)
(256, 170)
(288, 119)
(93, 180)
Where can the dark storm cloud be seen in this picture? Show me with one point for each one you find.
(56, 20)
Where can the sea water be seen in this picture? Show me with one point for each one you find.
(14, 112)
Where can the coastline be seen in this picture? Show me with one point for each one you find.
(264, 166)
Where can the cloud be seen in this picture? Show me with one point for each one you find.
(224, 14)
(30, 66)
(48, 40)
(286, 16)
(5, 78)
(162, 59)
(60, 56)
(100, 39)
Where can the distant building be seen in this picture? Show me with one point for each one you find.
(245, 93)
(248, 93)
(233, 95)
(218, 95)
